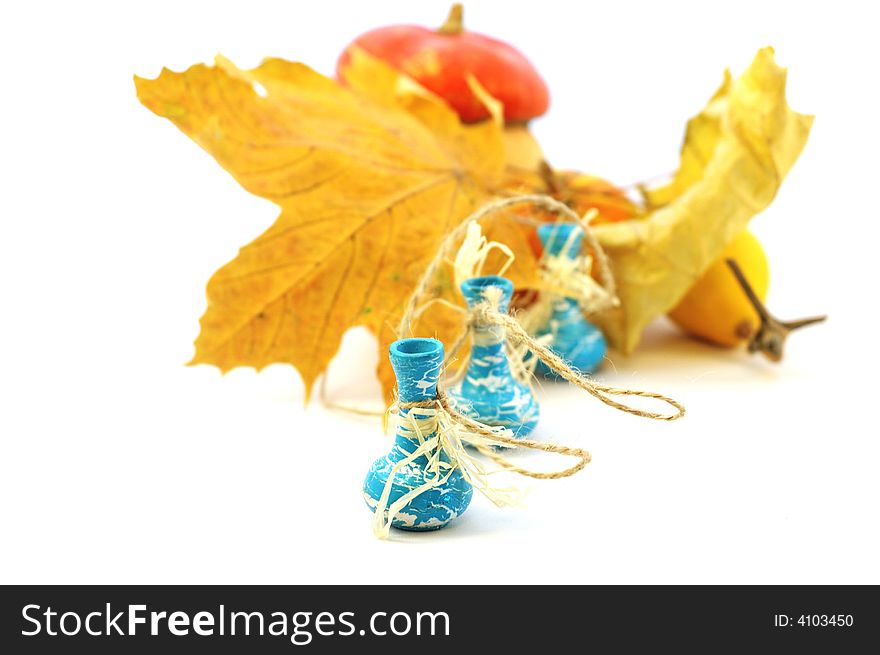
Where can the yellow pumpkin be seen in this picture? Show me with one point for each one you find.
(716, 308)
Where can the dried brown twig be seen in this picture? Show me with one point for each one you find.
(771, 334)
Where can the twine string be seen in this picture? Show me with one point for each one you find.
(540, 201)
(504, 436)
(438, 428)
(499, 437)
(487, 313)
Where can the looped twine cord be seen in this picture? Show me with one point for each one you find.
(474, 251)
(411, 310)
(504, 436)
(487, 313)
(440, 429)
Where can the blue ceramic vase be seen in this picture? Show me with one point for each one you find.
(573, 338)
(489, 393)
(417, 364)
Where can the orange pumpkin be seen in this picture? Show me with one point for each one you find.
(441, 60)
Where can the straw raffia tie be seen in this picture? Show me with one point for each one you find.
(443, 430)
(443, 402)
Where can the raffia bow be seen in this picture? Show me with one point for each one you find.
(563, 276)
(439, 429)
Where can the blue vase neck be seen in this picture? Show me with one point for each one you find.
(561, 239)
(417, 364)
(488, 363)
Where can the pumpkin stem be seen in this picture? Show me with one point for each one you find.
(769, 339)
(454, 21)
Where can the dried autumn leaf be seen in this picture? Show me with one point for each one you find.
(735, 156)
(701, 138)
(368, 181)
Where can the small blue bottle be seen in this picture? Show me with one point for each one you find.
(417, 364)
(573, 338)
(489, 393)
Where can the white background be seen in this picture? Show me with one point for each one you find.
(119, 464)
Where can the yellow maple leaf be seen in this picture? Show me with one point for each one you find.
(369, 179)
(735, 155)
